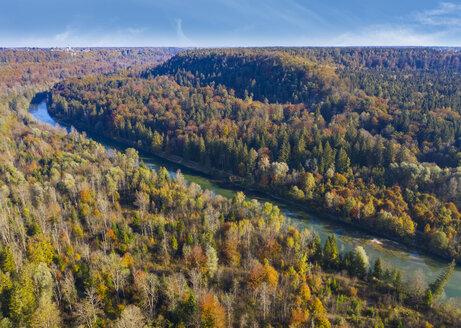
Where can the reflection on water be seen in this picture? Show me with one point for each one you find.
(40, 113)
(408, 260)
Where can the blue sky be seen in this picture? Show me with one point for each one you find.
(205, 23)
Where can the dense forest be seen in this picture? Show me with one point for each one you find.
(22, 67)
(91, 237)
(370, 136)
(26, 72)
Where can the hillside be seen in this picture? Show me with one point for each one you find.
(369, 160)
(93, 238)
(263, 75)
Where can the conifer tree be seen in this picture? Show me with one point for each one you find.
(378, 269)
(427, 298)
(284, 152)
(342, 161)
(389, 153)
(378, 152)
(330, 250)
(327, 158)
(437, 286)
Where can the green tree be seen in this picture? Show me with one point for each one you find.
(327, 158)
(389, 153)
(15, 307)
(427, 298)
(6, 260)
(330, 250)
(157, 142)
(342, 161)
(308, 182)
(22, 300)
(378, 269)
(360, 261)
(438, 285)
(397, 279)
(285, 150)
(174, 243)
(378, 151)
(203, 156)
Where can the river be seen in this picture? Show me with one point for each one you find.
(409, 261)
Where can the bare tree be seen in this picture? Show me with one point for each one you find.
(228, 300)
(114, 264)
(196, 279)
(142, 201)
(147, 283)
(175, 289)
(131, 317)
(264, 298)
(69, 293)
(87, 311)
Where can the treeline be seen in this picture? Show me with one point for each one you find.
(95, 239)
(265, 76)
(21, 68)
(339, 164)
(410, 78)
(385, 58)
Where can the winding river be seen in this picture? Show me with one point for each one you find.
(409, 261)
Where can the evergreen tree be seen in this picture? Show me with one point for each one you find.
(378, 150)
(330, 250)
(437, 286)
(327, 158)
(397, 281)
(427, 298)
(389, 153)
(190, 308)
(317, 246)
(157, 142)
(342, 161)
(378, 269)
(299, 150)
(401, 155)
(202, 151)
(284, 151)
(387, 276)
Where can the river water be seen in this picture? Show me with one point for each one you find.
(409, 261)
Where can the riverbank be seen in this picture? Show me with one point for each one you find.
(225, 178)
(409, 260)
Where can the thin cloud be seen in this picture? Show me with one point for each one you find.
(234, 23)
(434, 27)
(447, 14)
(134, 30)
(387, 36)
(290, 11)
(183, 39)
(62, 37)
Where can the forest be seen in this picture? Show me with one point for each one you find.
(91, 237)
(370, 136)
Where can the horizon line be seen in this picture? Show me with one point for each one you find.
(228, 47)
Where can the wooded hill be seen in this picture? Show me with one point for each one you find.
(94, 238)
(324, 127)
